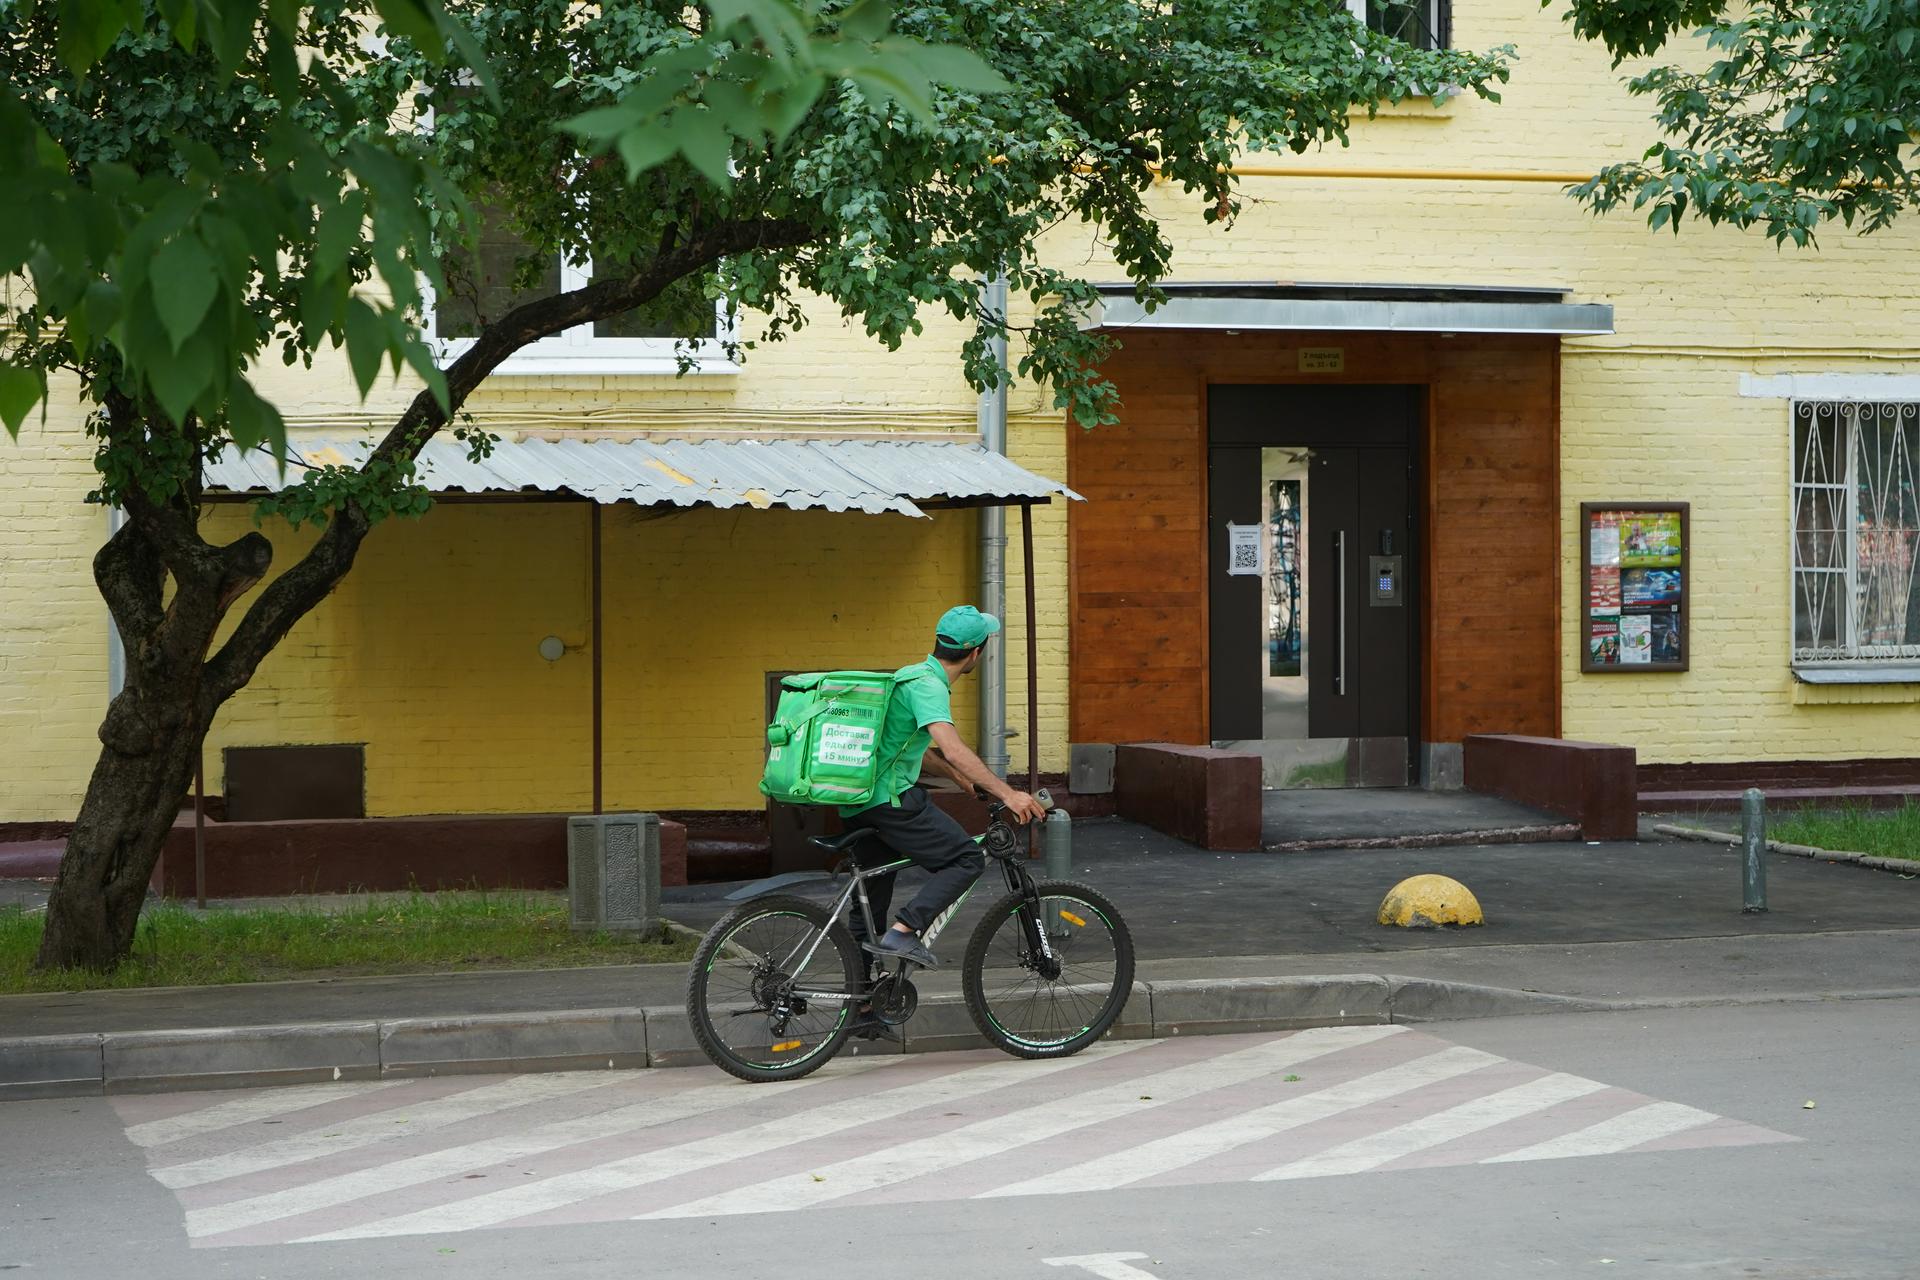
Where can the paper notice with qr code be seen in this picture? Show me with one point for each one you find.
(1244, 556)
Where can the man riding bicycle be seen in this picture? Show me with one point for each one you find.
(919, 717)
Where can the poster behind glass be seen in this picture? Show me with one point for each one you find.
(1634, 617)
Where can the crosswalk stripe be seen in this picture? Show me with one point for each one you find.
(1643, 1124)
(1207, 1141)
(256, 1106)
(1015, 1129)
(382, 1179)
(1376, 1149)
(365, 1131)
(784, 1131)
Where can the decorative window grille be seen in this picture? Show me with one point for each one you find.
(1424, 24)
(1856, 532)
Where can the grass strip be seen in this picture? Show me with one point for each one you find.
(423, 933)
(1884, 833)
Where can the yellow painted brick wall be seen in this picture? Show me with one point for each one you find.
(53, 626)
(445, 695)
(429, 652)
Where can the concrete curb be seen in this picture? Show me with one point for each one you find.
(1899, 866)
(602, 1039)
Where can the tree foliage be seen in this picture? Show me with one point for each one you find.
(189, 207)
(1805, 112)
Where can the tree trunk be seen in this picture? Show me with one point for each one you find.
(130, 806)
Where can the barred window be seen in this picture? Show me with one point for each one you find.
(1856, 533)
(1421, 23)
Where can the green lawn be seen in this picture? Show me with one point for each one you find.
(1885, 833)
(424, 933)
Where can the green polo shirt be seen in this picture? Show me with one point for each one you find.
(904, 739)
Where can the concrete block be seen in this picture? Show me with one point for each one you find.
(1222, 1006)
(670, 1041)
(1090, 768)
(1441, 767)
(564, 1040)
(239, 1057)
(50, 1066)
(613, 871)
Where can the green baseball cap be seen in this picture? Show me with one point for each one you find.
(963, 627)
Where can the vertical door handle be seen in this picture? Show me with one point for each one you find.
(1340, 612)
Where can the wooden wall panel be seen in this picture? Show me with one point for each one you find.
(1138, 549)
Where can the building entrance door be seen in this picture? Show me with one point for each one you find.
(1314, 662)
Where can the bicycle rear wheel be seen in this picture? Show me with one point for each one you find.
(1035, 1005)
(742, 993)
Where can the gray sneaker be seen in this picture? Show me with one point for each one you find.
(895, 945)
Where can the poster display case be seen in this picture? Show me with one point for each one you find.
(1633, 615)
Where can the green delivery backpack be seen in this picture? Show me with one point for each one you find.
(825, 736)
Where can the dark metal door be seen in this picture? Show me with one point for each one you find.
(1313, 659)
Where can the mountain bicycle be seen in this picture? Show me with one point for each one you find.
(777, 983)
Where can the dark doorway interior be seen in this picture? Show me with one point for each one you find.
(1313, 580)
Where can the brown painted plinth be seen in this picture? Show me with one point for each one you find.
(1201, 795)
(345, 855)
(1590, 782)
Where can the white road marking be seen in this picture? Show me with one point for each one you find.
(253, 1106)
(380, 1179)
(1018, 1128)
(672, 1162)
(1642, 1124)
(1179, 1150)
(1376, 1149)
(1108, 1266)
(383, 1126)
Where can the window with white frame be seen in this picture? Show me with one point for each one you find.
(1856, 534)
(500, 273)
(1424, 24)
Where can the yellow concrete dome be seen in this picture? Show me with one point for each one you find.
(1427, 902)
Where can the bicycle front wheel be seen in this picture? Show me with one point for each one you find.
(1048, 1001)
(747, 996)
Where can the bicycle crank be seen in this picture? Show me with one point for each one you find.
(894, 999)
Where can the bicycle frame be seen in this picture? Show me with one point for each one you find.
(1016, 877)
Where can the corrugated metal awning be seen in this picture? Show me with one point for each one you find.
(1402, 308)
(872, 476)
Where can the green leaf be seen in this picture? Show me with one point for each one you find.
(178, 384)
(252, 421)
(951, 66)
(20, 390)
(366, 343)
(183, 283)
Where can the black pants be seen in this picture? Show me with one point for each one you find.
(916, 830)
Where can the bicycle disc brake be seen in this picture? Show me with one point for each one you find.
(894, 999)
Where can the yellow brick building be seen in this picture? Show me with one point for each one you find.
(430, 653)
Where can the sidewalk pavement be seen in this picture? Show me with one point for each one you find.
(1226, 942)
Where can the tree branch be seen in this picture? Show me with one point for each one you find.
(305, 584)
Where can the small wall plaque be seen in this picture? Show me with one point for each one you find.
(1323, 359)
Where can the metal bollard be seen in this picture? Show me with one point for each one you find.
(1753, 849)
(1059, 844)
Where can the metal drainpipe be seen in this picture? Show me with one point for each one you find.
(116, 648)
(993, 552)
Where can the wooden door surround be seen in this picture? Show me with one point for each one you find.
(1489, 552)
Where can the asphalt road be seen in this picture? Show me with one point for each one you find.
(1379, 1175)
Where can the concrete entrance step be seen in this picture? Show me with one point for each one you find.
(1400, 818)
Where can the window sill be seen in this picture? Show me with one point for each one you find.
(610, 367)
(1861, 673)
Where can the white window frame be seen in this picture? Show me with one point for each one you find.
(1360, 8)
(579, 351)
(1897, 664)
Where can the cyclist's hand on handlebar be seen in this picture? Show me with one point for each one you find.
(1024, 808)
